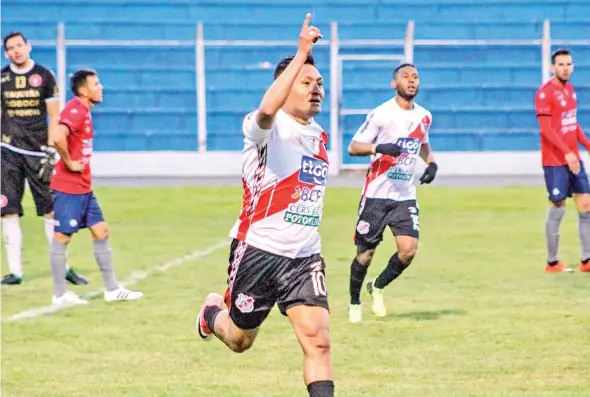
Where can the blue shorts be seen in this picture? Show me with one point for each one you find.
(75, 211)
(562, 183)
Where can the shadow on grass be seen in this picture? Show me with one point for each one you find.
(430, 315)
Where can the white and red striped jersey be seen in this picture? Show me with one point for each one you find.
(284, 177)
(388, 177)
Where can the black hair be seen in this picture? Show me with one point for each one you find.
(561, 51)
(402, 65)
(281, 66)
(78, 79)
(11, 35)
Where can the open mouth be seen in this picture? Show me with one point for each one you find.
(315, 100)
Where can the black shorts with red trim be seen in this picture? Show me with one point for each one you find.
(258, 279)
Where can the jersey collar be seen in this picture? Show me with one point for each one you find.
(22, 71)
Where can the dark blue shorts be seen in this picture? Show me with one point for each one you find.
(75, 211)
(562, 183)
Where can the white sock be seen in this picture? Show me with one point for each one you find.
(49, 225)
(13, 238)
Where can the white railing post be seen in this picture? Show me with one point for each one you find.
(335, 138)
(201, 88)
(60, 50)
(546, 51)
(409, 42)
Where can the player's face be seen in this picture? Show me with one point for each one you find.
(563, 67)
(93, 89)
(406, 82)
(17, 50)
(307, 93)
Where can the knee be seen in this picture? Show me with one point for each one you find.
(558, 204)
(406, 254)
(317, 337)
(365, 256)
(240, 345)
(61, 237)
(100, 231)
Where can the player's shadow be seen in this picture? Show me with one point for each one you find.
(431, 315)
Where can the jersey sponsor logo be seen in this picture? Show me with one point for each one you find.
(35, 80)
(245, 303)
(313, 171)
(306, 194)
(406, 161)
(399, 175)
(303, 215)
(569, 117)
(409, 145)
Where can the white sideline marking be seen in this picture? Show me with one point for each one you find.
(134, 278)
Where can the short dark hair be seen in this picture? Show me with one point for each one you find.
(78, 79)
(286, 61)
(561, 51)
(402, 65)
(11, 35)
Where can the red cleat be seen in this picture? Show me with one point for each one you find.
(559, 267)
(585, 267)
(202, 328)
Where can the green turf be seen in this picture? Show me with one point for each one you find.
(475, 315)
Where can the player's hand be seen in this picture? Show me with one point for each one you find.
(75, 166)
(308, 36)
(429, 173)
(572, 162)
(47, 164)
(390, 149)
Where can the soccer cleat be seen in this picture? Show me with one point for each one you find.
(202, 328)
(75, 278)
(559, 267)
(11, 279)
(378, 305)
(355, 313)
(121, 294)
(585, 267)
(68, 299)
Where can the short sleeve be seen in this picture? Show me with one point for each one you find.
(542, 103)
(50, 89)
(369, 130)
(72, 117)
(252, 130)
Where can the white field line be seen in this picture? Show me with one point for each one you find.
(134, 278)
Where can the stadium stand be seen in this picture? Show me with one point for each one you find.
(481, 94)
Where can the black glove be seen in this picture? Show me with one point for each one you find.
(390, 149)
(47, 164)
(429, 173)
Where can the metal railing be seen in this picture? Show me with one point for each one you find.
(336, 58)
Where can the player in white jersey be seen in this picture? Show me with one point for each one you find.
(275, 254)
(395, 135)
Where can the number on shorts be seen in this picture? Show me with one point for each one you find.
(318, 279)
(415, 222)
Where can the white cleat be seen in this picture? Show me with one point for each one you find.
(355, 313)
(68, 299)
(378, 305)
(122, 294)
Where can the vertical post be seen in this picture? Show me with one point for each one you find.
(409, 42)
(201, 89)
(546, 51)
(61, 64)
(335, 71)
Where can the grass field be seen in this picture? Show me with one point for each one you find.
(475, 315)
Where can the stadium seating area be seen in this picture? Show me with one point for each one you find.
(480, 94)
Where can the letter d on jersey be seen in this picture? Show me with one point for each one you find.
(313, 171)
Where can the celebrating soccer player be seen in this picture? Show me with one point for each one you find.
(75, 205)
(29, 99)
(395, 134)
(275, 254)
(565, 176)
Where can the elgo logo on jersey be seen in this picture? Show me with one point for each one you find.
(313, 171)
(409, 145)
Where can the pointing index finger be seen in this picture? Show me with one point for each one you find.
(307, 18)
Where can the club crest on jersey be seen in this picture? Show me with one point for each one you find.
(313, 171)
(35, 80)
(409, 145)
(245, 303)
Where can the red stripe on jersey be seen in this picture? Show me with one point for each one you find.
(252, 197)
(379, 167)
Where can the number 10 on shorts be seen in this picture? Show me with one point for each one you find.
(318, 279)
